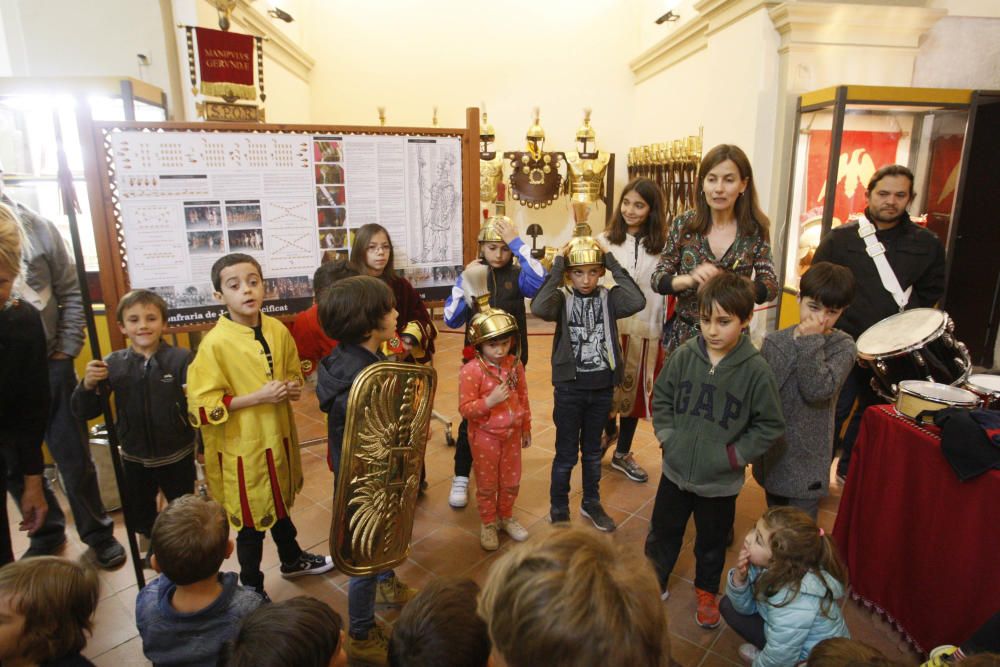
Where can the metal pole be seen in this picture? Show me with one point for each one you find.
(65, 179)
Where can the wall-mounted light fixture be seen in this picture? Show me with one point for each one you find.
(277, 13)
(669, 16)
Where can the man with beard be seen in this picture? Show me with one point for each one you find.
(915, 256)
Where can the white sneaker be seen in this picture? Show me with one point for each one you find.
(459, 496)
(512, 527)
(665, 595)
(749, 652)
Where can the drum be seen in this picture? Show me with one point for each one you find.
(916, 396)
(987, 388)
(916, 344)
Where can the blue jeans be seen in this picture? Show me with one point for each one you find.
(361, 602)
(579, 416)
(68, 444)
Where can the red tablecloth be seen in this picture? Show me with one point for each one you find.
(920, 546)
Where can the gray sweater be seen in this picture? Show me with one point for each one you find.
(810, 371)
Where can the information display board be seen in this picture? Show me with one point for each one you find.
(182, 195)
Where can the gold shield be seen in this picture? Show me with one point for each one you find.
(388, 414)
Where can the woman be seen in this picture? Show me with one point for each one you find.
(371, 255)
(726, 231)
(636, 236)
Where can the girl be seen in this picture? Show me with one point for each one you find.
(372, 255)
(783, 594)
(726, 231)
(493, 396)
(636, 237)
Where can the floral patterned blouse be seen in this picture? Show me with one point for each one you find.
(748, 256)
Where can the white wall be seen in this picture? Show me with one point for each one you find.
(960, 52)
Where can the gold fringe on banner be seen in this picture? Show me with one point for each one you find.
(224, 90)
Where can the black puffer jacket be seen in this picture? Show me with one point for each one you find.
(336, 375)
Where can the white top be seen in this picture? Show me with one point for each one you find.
(647, 323)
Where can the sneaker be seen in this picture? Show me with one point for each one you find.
(941, 656)
(109, 553)
(307, 563)
(626, 464)
(488, 538)
(513, 527)
(34, 551)
(749, 652)
(559, 515)
(372, 650)
(665, 595)
(598, 516)
(459, 496)
(394, 592)
(707, 615)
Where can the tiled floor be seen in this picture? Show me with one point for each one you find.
(447, 541)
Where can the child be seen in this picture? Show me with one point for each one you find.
(187, 613)
(310, 340)
(842, 652)
(360, 313)
(783, 594)
(372, 255)
(302, 631)
(810, 361)
(586, 365)
(570, 598)
(148, 380)
(239, 385)
(715, 408)
(440, 628)
(46, 606)
(508, 283)
(636, 236)
(493, 396)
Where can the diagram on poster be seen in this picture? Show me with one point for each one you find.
(290, 201)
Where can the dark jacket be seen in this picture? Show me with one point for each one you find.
(24, 384)
(810, 370)
(713, 420)
(915, 255)
(336, 375)
(150, 405)
(552, 303)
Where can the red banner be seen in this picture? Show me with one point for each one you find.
(946, 154)
(226, 64)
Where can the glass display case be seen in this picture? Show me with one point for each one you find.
(28, 146)
(844, 134)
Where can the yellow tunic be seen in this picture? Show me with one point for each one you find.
(252, 459)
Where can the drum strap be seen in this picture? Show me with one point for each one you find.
(876, 251)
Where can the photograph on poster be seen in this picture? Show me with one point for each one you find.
(201, 216)
(242, 241)
(328, 151)
(187, 296)
(203, 243)
(433, 276)
(332, 217)
(243, 214)
(335, 256)
(330, 195)
(330, 174)
(330, 239)
(287, 288)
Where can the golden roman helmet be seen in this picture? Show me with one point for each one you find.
(584, 250)
(486, 129)
(586, 138)
(490, 323)
(488, 232)
(536, 136)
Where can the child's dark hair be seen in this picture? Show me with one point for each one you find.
(232, 259)
(57, 598)
(654, 232)
(830, 284)
(302, 631)
(189, 539)
(359, 250)
(440, 628)
(329, 273)
(352, 308)
(843, 652)
(731, 291)
(798, 547)
(143, 297)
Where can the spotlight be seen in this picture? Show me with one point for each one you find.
(669, 16)
(277, 13)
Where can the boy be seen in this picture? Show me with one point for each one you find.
(810, 361)
(187, 613)
(570, 598)
(147, 379)
(303, 632)
(586, 365)
(509, 283)
(359, 312)
(440, 628)
(715, 408)
(239, 385)
(310, 340)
